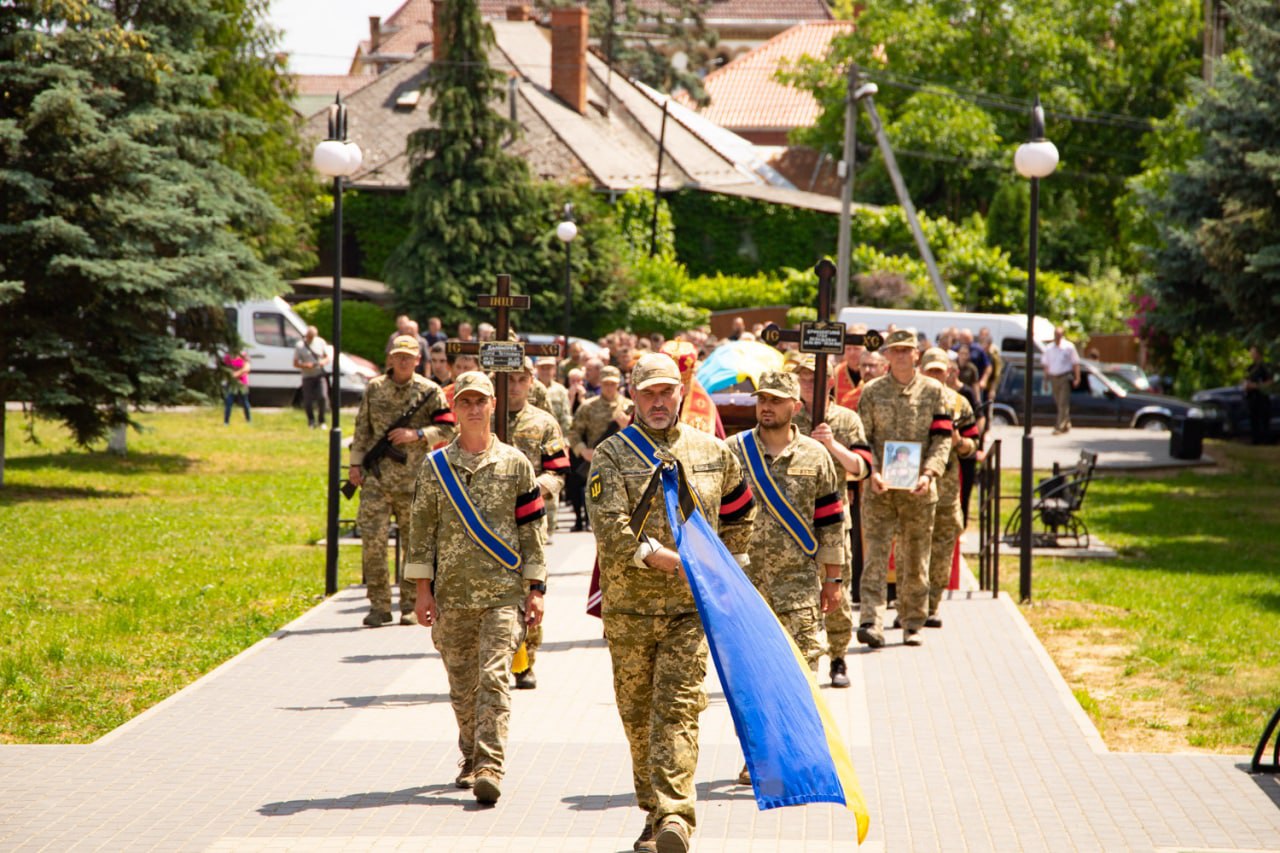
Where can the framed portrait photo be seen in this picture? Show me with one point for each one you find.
(901, 464)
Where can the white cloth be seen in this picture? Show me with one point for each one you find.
(311, 354)
(1059, 358)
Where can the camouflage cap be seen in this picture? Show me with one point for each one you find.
(473, 380)
(610, 374)
(654, 369)
(528, 365)
(544, 360)
(934, 357)
(900, 338)
(405, 344)
(796, 360)
(777, 383)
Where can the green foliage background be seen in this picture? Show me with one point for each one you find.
(365, 326)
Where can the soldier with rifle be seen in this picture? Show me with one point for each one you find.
(402, 416)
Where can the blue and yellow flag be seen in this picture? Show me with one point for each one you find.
(794, 751)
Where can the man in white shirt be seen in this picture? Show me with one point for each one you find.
(311, 356)
(1062, 366)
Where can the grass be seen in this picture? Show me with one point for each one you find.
(128, 578)
(1186, 619)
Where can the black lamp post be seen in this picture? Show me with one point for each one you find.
(1035, 159)
(567, 231)
(335, 158)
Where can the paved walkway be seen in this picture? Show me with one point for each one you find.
(327, 736)
(1117, 449)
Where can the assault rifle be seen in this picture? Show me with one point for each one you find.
(384, 449)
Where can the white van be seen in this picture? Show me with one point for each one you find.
(1009, 331)
(270, 330)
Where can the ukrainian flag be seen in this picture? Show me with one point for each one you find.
(793, 748)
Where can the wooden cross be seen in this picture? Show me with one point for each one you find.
(504, 356)
(822, 338)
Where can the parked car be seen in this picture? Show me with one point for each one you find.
(1098, 402)
(1233, 414)
(1130, 377)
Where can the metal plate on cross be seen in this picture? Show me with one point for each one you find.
(822, 338)
(502, 356)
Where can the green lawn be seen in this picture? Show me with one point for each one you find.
(1188, 617)
(126, 579)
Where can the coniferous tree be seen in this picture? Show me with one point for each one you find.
(1218, 266)
(472, 205)
(119, 216)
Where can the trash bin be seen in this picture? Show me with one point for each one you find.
(1186, 438)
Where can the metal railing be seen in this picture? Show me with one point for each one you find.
(989, 520)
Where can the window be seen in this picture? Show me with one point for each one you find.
(273, 330)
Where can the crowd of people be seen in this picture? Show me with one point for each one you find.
(807, 509)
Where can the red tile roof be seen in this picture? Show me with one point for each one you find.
(748, 10)
(744, 93)
(329, 84)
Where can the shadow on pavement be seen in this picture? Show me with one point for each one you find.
(1268, 783)
(390, 700)
(404, 656)
(376, 799)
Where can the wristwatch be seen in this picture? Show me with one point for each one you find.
(538, 586)
(836, 579)
(421, 435)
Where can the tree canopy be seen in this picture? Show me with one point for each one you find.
(957, 78)
(122, 214)
(1217, 260)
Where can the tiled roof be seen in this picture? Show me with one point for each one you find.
(723, 11)
(744, 94)
(617, 151)
(329, 84)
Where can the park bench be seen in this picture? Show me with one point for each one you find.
(1056, 509)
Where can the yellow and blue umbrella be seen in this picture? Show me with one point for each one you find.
(737, 361)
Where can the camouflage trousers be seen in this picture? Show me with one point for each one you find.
(839, 622)
(374, 521)
(948, 524)
(904, 522)
(659, 664)
(476, 647)
(803, 624)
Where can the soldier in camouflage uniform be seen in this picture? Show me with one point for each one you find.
(557, 394)
(537, 435)
(390, 489)
(799, 586)
(901, 406)
(844, 439)
(655, 637)
(600, 416)
(478, 607)
(948, 520)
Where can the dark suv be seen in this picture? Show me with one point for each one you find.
(1098, 402)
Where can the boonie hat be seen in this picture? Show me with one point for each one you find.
(406, 344)
(654, 369)
(777, 383)
(473, 380)
(610, 374)
(900, 338)
(934, 357)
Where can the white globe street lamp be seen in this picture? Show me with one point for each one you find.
(567, 231)
(1035, 159)
(336, 158)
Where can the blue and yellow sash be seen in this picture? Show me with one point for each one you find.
(472, 521)
(640, 443)
(774, 500)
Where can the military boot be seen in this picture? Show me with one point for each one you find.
(466, 774)
(487, 789)
(645, 843)
(377, 618)
(526, 680)
(672, 837)
(870, 635)
(744, 777)
(839, 672)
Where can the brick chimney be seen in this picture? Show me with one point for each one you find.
(375, 33)
(439, 38)
(519, 12)
(569, 55)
